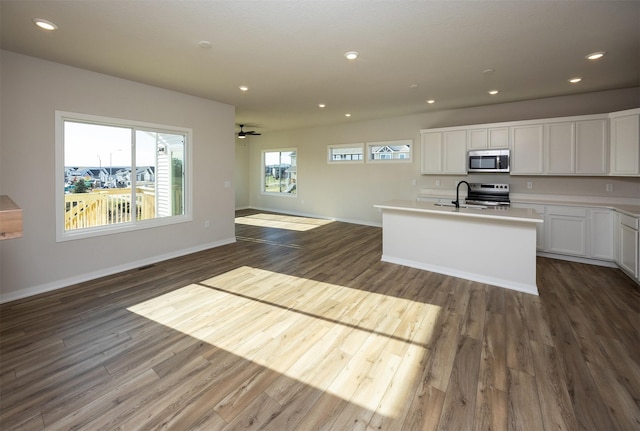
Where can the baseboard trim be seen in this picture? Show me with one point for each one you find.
(81, 278)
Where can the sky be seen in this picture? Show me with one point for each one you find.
(91, 145)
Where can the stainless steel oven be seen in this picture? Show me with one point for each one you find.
(496, 195)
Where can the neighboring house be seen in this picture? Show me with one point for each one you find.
(385, 152)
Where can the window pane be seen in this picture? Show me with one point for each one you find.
(392, 150)
(344, 153)
(97, 185)
(159, 174)
(280, 172)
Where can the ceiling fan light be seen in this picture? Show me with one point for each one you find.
(241, 136)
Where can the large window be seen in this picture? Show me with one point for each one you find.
(117, 175)
(280, 174)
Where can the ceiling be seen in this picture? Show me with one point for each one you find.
(291, 53)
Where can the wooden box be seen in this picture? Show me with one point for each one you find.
(10, 219)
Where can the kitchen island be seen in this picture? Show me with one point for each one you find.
(487, 245)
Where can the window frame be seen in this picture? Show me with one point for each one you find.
(332, 147)
(264, 166)
(133, 225)
(399, 142)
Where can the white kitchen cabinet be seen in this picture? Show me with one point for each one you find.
(592, 147)
(444, 152)
(629, 245)
(492, 137)
(601, 226)
(625, 143)
(577, 147)
(432, 153)
(527, 150)
(560, 145)
(566, 231)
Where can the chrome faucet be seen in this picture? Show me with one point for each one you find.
(457, 201)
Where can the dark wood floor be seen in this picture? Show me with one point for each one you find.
(299, 326)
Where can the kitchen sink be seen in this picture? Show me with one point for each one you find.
(447, 204)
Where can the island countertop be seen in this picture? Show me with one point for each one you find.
(503, 213)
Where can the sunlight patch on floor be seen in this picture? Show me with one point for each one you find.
(363, 347)
(279, 221)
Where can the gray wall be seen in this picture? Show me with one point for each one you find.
(32, 90)
(348, 192)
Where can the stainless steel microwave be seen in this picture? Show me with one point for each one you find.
(488, 161)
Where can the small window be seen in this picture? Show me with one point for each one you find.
(280, 173)
(117, 175)
(346, 153)
(390, 151)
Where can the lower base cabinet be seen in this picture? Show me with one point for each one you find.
(629, 244)
(566, 231)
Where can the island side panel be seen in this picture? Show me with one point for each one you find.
(497, 252)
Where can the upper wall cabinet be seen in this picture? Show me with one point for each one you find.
(444, 152)
(527, 150)
(488, 137)
(576, 147)
(625, 143)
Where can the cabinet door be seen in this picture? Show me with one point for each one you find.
(477, 139)
(560, 142)
(455, 152)
(499, 137)
(602, 234)
(629, 250)
(432, 153)
(528, 150)
(566, 230)
(592, 147)
(625, 145)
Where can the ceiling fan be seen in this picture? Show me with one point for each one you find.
(242, 134)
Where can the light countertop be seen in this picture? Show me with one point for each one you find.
(627, 206)
(504, 214)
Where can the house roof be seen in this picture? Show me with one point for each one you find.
(290, 53)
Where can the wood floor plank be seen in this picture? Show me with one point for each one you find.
(307, 329)
(524, 408)
(459, 403)
(555, 402)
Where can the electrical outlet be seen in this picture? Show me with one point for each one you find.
(206, 224)
(529, 184)
(609, 187)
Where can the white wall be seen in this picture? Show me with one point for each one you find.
(31, 91)
(348, 192)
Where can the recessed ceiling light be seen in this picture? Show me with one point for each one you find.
(595, 55)
(413, 86)
(488, 71)
(347, 115)
(431, 101)
(493, 92)
(351, 55)
(575, 80)
(205, 44)
(44, 24)
(321, 105)
(244, 88)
